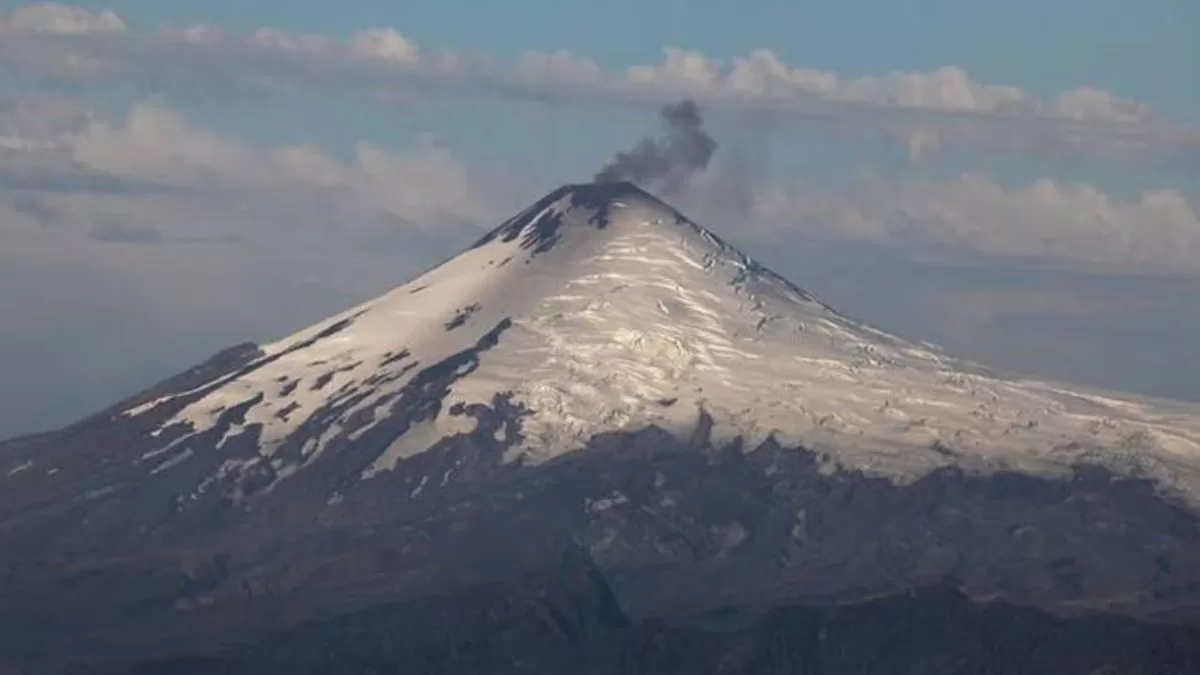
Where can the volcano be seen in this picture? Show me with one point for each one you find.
(600, 379)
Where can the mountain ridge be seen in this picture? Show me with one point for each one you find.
(596, 275)
(568, 620)
(599, 373)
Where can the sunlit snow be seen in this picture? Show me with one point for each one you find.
(651, 319)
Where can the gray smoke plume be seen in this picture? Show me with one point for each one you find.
(665, 165)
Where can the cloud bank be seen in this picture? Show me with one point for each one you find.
(1155, 230)
(155, 170)
(152, 178)
(926, 112)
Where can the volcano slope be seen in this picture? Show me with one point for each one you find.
(600, 377)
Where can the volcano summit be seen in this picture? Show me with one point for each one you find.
(599, 374)
(600, 309)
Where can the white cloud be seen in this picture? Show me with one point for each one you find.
(164, 172)
(1159, 228)
(58, 19)
(385, 44)
(65, 167)
(925, 111)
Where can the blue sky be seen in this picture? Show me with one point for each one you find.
(1149, 50)
(1149, 53)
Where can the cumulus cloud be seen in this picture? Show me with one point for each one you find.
(57, 19)
(926, 112)
(154, 177)
(974, 212)
(95, 168)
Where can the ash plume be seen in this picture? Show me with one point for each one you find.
(666, 164)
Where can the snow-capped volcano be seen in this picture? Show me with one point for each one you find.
(597, 375)
(601, 309)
